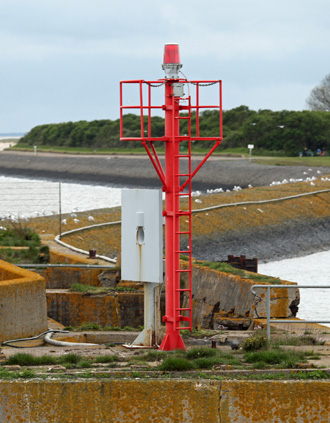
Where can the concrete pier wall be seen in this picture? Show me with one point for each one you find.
(169, 401)
(23, 310)
(217, 295)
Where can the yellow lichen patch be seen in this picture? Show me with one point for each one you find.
(23, 303)
(114, 309)
(148, 401)
(275, 401)
(158, 401)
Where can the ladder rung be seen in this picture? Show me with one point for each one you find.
(182, 174)
(182, 155)
(185, 328)
(182, 309)
(185, 251)
(183, 271)
(183, 213)
(182, 194)
(183, 290)
(183, 233)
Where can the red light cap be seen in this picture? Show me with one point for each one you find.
(171, 54)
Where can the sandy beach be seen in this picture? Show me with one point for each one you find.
(7, 143)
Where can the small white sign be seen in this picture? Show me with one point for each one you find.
(142, 235)
(250, 146)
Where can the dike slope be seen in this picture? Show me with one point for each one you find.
(137, 171)
(269, 231)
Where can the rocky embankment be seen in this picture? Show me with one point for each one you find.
(269, 232)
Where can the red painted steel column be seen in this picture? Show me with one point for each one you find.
(172, 339)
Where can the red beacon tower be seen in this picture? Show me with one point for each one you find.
(178, 108)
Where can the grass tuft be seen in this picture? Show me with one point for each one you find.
(106, 359)
(178, 364)
(275, 357)
(201, 352)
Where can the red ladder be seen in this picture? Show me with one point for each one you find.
(183, 314)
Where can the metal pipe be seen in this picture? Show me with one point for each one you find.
(287, 286)
(32, 338)
(77, 266)
(298, 321)
(269, 320)
(78, 250)
(268, 312)
(49, 340)
(245, 203)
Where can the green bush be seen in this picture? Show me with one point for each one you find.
(256, 342)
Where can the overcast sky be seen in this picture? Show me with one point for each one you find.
(62, 60)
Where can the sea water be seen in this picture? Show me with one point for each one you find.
(31, 197)
(313, 269)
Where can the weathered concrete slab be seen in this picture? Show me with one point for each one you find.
(23, 311)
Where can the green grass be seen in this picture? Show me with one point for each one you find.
(79, 150)
(70, 360)
(294, 161)
(297, 340)
(176, 364)
(94, 290)
(197, 358)
(33, 255)
(90, 326)
(18, 234)
(106, 359)
(24, 359)
(227, 268)
(277, 358)
(196, 149)
(263, 157)
(201, 352)
(172, 362)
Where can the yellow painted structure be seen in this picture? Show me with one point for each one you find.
(164, 401)
(23, 310)
(117, 309)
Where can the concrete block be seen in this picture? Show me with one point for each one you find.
(23, 310)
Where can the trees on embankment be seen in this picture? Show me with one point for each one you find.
(281, 132)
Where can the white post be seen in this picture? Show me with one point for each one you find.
(150, 336)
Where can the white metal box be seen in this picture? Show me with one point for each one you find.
(142, 235)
